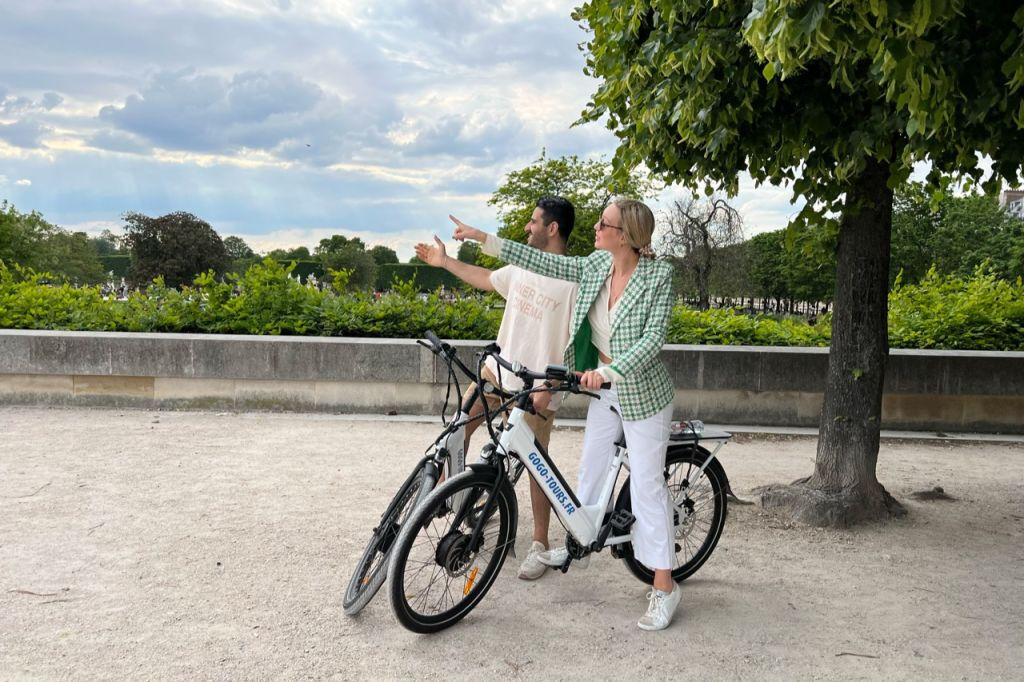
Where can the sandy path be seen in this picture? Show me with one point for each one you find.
(203, 546)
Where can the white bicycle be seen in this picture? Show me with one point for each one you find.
(452, 547)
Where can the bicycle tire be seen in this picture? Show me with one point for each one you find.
(371, 570)
(698, 532)
(431, 549)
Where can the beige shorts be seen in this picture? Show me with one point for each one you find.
(540, 424)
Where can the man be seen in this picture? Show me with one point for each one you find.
(534, 331)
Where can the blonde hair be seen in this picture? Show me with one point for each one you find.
(637, 224)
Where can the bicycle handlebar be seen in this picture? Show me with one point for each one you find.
(551, 373)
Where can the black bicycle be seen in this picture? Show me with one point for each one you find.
(445, 457)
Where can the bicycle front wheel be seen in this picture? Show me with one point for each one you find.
(371, 570)
(437, 575)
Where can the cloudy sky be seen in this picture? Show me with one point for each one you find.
(286, 121)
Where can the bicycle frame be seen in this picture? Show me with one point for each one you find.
(584, 522)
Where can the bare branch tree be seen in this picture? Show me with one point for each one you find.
(693, 236)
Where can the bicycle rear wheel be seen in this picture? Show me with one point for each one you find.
(371, 570)
(436, 575)
(699, 503)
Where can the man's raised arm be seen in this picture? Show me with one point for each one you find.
(473, 275)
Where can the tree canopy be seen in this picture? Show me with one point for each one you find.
(586, 183)
(807, 92)
(28, 240)
(177, 246)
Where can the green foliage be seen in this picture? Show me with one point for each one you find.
(342, 253)
(469, 252)
(383, 255)
(299, 253)
(237, 248)
(116, 263)
(729, 327)
(955, 234)
(807, 93)
(30, 241)
(586, 183)
(977, 313)
(426, 277)
(177, 246)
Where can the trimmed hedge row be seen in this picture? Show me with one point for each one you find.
(980, 313)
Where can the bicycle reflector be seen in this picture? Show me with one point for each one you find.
(694, 426)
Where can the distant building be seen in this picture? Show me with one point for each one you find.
(1012, 201)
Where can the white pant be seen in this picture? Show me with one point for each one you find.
(647, 440)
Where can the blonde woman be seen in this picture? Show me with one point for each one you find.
(617, 328)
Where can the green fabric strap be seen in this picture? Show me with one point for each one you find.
(584, 350)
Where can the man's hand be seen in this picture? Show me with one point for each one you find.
(464, 231)
(432, 254)
(541, 401)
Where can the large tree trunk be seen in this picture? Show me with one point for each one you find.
(843, 489)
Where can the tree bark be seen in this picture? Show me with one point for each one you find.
(843, 489)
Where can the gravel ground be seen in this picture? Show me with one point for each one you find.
(196, 545)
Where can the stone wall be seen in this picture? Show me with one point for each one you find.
(946, 390)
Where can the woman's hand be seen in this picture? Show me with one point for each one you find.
(591, 380)
(432, 254)
(464, 231)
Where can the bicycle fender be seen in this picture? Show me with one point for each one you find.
(510, 493)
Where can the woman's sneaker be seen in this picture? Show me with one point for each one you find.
(660, 607)
(557, 557)
(532, 568)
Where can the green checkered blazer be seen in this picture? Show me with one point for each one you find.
(638, 330)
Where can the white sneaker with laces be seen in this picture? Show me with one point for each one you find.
(557, 557)
(660, 607)
(532, 568)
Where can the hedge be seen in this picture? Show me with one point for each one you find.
(979, 313)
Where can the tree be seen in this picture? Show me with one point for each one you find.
(177, 246)
(694, 234)
(73, 256)
(956, 235)
(296, 254)
(469, 252)
(20, 236)
(382, 255)
(839, 100)
(107, 244)
(237, 248)
(415, 260)
(586, 184)
(30, 241)
(349, 254)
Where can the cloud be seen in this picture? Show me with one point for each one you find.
(25, 133)
(20, 105)
(475, 137)
(24, 182)
(117, 141)
(274, 112)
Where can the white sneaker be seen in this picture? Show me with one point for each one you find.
(532, 568)
(557, 557)
(660, 607)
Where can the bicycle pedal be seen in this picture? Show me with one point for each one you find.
(621, 520)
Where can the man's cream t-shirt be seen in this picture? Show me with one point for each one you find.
(535, 327)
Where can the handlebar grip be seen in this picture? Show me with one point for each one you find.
(432, 337)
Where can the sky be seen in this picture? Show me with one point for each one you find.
(286, 121)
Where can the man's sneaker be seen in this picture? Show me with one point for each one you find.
(660, 607)
(532, 568)
(557, 557)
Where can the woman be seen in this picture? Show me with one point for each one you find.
(622, 312)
